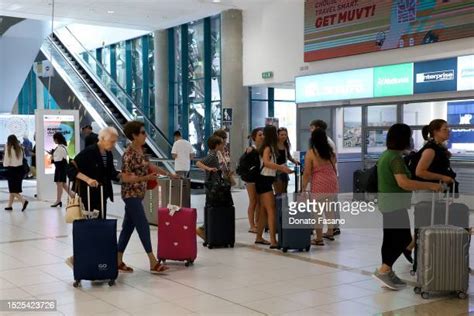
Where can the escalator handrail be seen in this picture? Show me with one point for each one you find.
(102, 68)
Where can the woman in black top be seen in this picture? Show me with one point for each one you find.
(434, 164)
(59, 157)
(281, 182)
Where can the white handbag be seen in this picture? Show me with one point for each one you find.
(74, 209)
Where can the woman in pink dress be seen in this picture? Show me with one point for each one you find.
(319, 169)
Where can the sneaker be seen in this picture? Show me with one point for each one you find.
(70, 262)
(396, 279)
(386, 280)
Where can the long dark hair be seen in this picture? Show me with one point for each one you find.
(254, 133)
(287, 142)
(59, 138)
(319, 143)
(270, 139)
(12, 142)
(428, 130)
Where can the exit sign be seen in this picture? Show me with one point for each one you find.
(267, 74)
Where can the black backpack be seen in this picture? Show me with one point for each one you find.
(372, 180)
(249, 166)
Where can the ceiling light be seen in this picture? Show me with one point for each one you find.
(111, 12)
(216, 1)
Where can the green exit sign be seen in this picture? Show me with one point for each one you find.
(267, 74)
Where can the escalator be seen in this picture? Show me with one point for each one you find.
(97, 96)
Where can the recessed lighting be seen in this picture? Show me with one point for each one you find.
(111, 12)
(216, 1)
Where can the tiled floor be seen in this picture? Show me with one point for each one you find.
(246, 280)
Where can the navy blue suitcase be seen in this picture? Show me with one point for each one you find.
(95, 250)
(290, 238)
(219, 223)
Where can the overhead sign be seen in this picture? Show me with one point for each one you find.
(267, 75)
(344, 85)
(435, 76)
(466, 73)
(393, 80)
(336, 28)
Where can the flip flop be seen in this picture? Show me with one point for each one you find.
(158, 268)
(252, 231)
(124, 268)
(317, 242)
(330, 237)
(262, 242)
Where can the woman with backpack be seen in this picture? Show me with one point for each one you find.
(434, 164)
(60, 161)
(264, 185)
(250, 161)
(284, 155)
(13, 161)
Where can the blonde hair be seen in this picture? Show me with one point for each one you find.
(107, 133)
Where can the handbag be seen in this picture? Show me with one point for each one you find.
(218, 190)
(151, 184)
(26, 167)
(74, 208)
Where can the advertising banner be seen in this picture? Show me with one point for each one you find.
(466, 73)
(344, 85)
(393, 80)
(337, 28)
(461, 113)
(435, 76)
(64, 124)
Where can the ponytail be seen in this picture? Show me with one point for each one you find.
(425, 132)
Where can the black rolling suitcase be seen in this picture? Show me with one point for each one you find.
(95, 248)
(219, 226)
(290, 238)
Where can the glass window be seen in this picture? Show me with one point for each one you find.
(197, 128)
(216, 89)
(137, 69)
(196, 49)
(216, 113)
(259, 93)
(151, 59)
(259, 113)
(216, 46)
(286, 113)
(196, 90)
(106, 58)
(424, 113)
(121, 67)
(352, 127)
(285, 94)
(382, 115)
(376, 142)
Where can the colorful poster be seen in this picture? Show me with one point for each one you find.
(337, 28)
(435, 76)
(393, 80)
(64, 124)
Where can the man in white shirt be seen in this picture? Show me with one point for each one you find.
(182, 153)
(315, 124)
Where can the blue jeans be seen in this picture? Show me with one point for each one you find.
(134, 218)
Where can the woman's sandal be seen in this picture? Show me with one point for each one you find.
(124, 268)
(262, 242)
(253, 230)
(316, 242)
(158, 268)
(330, 237)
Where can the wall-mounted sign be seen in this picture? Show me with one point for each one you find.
(393, 80)
(338, 28)
(435, 76)
(466, 73)
(267, 75)
(227, 116)
(344, 85)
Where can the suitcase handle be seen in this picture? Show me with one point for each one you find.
(180, 192)
(101, 201)
(433, 206)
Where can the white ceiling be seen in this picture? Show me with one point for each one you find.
(137, 14)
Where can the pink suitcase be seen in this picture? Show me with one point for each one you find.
(177, 234)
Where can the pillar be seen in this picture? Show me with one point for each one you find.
(161, 80)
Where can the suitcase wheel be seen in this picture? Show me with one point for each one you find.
(307, 248)
(284, 249)
(111, 283)
(210, 246)
(204, 244)
(462, 295)
(188, 263)
(76, 283)
(161, 261)
(425, 295)
(417, 290)
(231, 245)
(412, 273)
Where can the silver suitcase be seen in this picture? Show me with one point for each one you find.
(168, 191)
(443, 258)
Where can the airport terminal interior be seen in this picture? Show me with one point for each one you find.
(163, 157)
